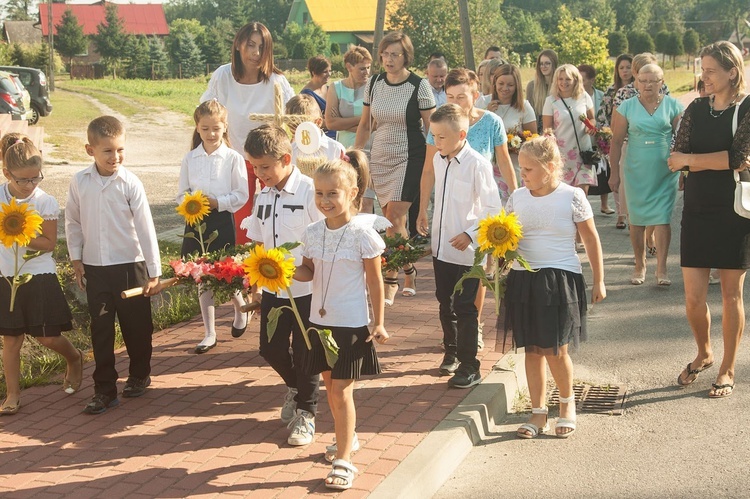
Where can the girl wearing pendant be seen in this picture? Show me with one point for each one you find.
(349, 248)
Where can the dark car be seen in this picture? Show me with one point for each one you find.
(35, 82)
(11, 98)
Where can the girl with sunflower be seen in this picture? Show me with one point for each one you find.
(546, 308)
(40, 309)
(341, 255)
(218, 172)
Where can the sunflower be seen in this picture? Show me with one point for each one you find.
(194, 207)
(272, 269)
(19, 223)
(499, 234)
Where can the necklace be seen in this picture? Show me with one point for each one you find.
(711, 106)
(646, 106)
(322, 310)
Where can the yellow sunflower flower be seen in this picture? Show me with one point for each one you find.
(272, 269)
(19, 223)
(499, 234)
(194, 207)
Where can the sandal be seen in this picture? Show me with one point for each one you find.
(651, 250)
(663, 280)
(608, 211)
(342, 470)
(569, 423)
(715, 388)
(692, 372)
(331, 450)
(530, 430)
(638, 278)
(391, 288)
(410, 291)
(620, 225)
(9, 410)
(72, 386)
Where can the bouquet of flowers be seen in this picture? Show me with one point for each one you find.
(19, 224)
(221, 271)
(273, 269)
(602, 136)
(517, 137)
(498, 237)
(400, 252)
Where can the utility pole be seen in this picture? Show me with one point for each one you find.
(379, 29)
(50, 42)
(463, 17)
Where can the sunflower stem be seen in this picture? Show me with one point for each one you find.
(299, 319)
(497, 284)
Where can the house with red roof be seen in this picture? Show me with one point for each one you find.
(138, 19)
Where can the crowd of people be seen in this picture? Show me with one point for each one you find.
(408, 143)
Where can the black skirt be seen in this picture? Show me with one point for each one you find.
(40, 308)
(220, 221)
(602, 181)
(357, 357)
(546, 309)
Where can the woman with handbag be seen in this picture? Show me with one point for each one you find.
(712, 143)
(563, 108)
(648, 120)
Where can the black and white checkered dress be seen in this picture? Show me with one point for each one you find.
(398, 147)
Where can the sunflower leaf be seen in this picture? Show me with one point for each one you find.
(289, 246)
(22, 279)
(273, 321)
(188, 235)
(475, 272)
(32, 254)
(212, 238)
(330, 348)
(202, 227)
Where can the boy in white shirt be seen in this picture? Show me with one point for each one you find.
(283, 210)
(329, 148)
(112, 244)
(465, 193)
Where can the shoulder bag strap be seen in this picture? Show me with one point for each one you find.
(575, 130)
(734, 130)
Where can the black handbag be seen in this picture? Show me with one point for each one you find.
(591, 157)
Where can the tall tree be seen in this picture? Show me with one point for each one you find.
(159, 59)
(188, 58)
(578, 42)
(303, 42)
(110, 37)
(137, 57)
(17, 10)
(216, 42)
(632, 15)
(691, 43)
(69, 39)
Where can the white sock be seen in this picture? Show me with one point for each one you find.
(208, 312)
(240, 318)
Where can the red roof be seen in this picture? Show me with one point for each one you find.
(140, 19)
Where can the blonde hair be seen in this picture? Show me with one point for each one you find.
(210, 108)
(572, 72)
(728, 56)
(544, 151)
(541, 83)
(303, 104)
(357, 54)
(641, 60)
(354, 171)
(489, 73)
(19, 152)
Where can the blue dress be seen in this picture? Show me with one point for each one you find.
(651, 187)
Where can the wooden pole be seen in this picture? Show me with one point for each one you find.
(51, 40)
(379, 31)
(463, 17)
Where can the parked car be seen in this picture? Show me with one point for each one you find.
(11, 99)
(26, 95)
(35, 82)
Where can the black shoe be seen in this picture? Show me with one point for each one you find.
(465, 377)
(100, 403)
(135, 387)
(420, 240)
(237, 331)
(204, 348)
(449, 366)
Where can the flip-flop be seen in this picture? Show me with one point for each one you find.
(9, 410)
(715, 388)
(620, 225)
(692, 372)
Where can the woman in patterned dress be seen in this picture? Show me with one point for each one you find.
(399, 102)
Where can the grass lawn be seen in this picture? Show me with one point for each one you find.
(66, 126)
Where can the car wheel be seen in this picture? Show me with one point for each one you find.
(34, 116)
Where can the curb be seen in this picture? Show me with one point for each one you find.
(433, 461)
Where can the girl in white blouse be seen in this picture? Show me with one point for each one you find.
(546, 308)
(342, 257)
(219, 173)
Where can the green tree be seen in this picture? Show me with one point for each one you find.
(639, 42)
(180, 27)
(18, 10)
(578, 42)
(691, 43)
(216, 42)
(188, 59)
(69, 39)
(303, 42)
(632, 15)
(525, 34)
(159, 59)
(617, 43)
(110, 38)
(137, 57)
(272, 13)
(674, 46)
(661, 40)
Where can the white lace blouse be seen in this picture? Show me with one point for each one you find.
(339, 280)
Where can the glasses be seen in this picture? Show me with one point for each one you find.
(28, 181)
(648, 83)
(391, 55)
(545, 63)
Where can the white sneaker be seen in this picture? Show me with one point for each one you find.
(289, 409)
(303, 428)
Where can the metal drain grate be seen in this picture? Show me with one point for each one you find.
(598, 399)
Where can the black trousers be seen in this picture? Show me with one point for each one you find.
(458, 314)
(103, 288)
(276, 351)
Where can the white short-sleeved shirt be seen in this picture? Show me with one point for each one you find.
(241, 100)
(48, 209)
(281, 217)
(339, 276)
(549, 226)
(221, 174)
(483, 101)
(513, 119)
